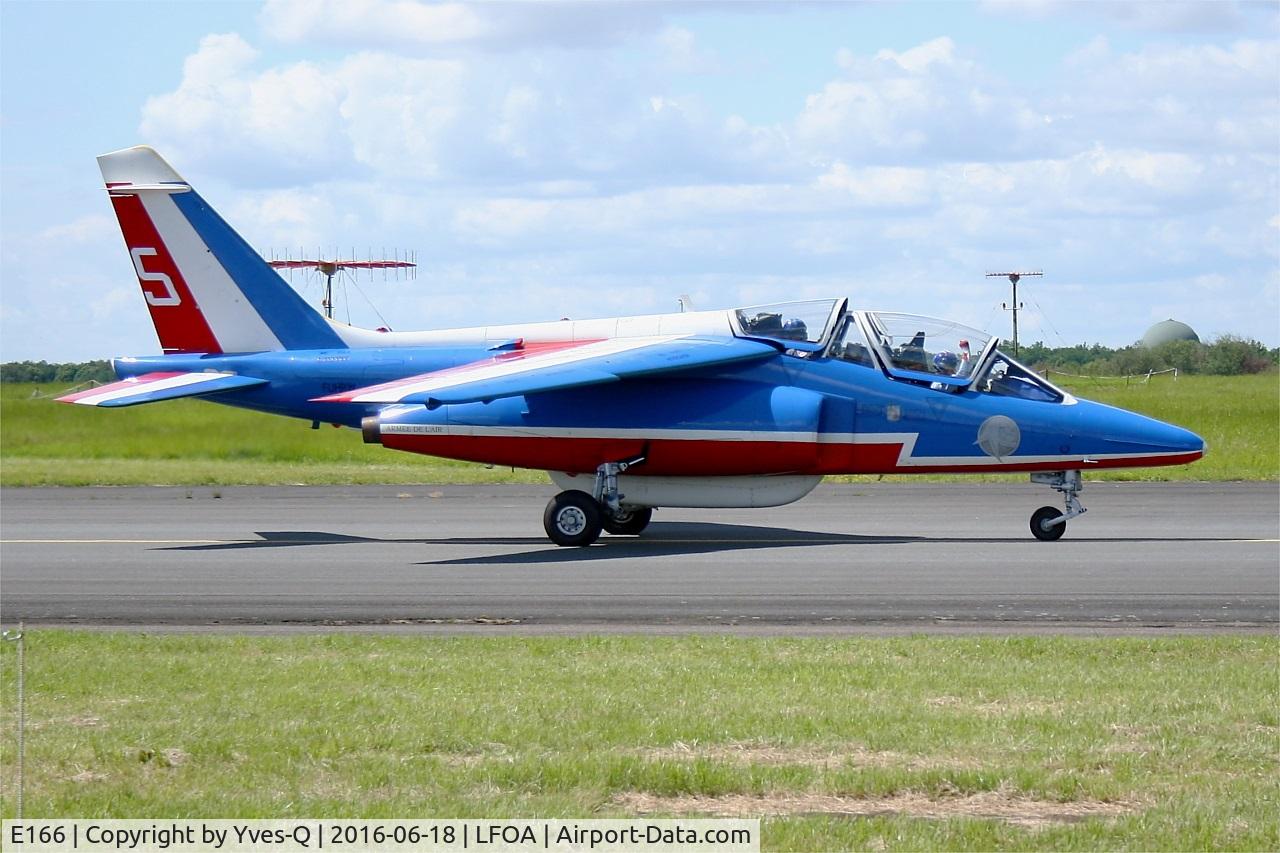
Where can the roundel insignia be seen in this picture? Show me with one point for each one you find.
(999, 436)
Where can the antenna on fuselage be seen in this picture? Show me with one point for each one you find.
(1015, 305)
(398, 265)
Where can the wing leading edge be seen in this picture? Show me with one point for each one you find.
(535, 368)
(153, 387)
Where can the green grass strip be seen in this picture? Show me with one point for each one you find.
(1158, 744)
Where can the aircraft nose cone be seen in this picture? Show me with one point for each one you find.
(1117, 431)
(1185, 439)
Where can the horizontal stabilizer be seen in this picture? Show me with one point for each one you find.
(540, 367)
(153, 387)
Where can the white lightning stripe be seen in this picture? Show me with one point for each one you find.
(513, 367)
(232, 318)
(1076, 461)
(905, 458)
(133, 389)
(589, 432)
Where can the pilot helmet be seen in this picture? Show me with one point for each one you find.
(795, 329)
(946, 362)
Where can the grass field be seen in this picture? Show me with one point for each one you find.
(900, 743)
(189, 442)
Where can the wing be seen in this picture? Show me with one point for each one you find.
(152, 387)
(533, 368)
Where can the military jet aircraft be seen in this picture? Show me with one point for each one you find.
(744, 407)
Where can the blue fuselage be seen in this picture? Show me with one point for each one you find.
(795, 413)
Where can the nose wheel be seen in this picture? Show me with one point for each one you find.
(1045, 524)
(1048, 524)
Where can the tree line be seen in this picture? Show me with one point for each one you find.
(1226, 356)
(71, 373)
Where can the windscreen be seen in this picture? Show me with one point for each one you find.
(927, 345)
(787, 321)
(1008, 378)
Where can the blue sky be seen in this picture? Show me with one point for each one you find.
(595, 159)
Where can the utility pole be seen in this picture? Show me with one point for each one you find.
(16, 637)
(1014, 278)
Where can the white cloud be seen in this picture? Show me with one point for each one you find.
(287, 219)
(364, 20)
(409, 24)
(221, 57)
(226, 115)
(924, 104)
(939, 51)
(87, 229)
(880, 186)
(399, 114)
(1170, 16)
(680, 52)
(1219, 97)
(71, 309)
(520, 119)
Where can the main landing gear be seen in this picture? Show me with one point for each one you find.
(1048, 524)
(575, 518)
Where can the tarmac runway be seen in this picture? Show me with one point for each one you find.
(864, 558)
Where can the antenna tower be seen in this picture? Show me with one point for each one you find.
(330, 268)
(1015, 306)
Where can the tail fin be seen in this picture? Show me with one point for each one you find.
(206, 288)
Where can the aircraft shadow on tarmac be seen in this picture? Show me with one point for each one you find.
(661, 539)
(666, 539)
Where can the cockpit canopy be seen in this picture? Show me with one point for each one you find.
(803, 322)
(926, 344)
(942, 354)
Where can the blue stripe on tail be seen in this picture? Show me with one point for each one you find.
(290, 318)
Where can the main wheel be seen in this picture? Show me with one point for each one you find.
(572, 518)
(1041, 529)
(629, 522)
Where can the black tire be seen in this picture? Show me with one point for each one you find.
(1050, 533)
(572, 519)
(629, 522)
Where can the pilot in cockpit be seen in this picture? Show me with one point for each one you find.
(946, 363)
(794, 329)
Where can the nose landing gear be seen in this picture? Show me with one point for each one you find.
(1048, 524)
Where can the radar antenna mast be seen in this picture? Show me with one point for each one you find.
(330, 268)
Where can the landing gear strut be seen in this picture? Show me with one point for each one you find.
(1047, 523)
(575, 518)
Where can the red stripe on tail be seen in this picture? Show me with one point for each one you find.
(179, 322)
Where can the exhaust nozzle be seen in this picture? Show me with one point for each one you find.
(371, 429)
